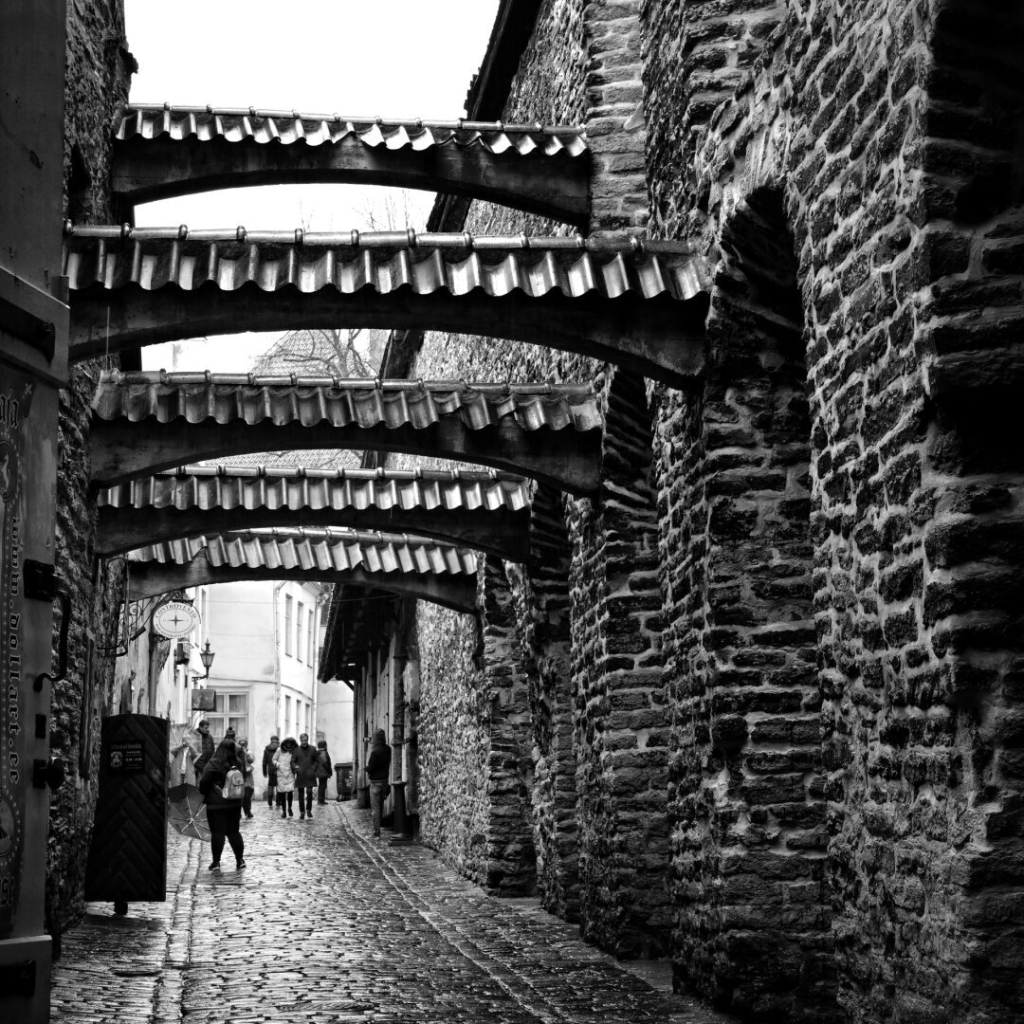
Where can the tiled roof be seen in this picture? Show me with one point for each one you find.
(641, 305)
(314, 550)
(227, 398)
(286, 127)
(113, 257)
(206, 487)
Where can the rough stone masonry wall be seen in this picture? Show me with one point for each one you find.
(969, 812)
(551, 75)
(98, 70)
(620, 754)
(474, 742)
(890, 133)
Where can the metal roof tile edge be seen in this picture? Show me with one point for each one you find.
(182, 379)
(457, 124)
(466, 476)
(404, 239)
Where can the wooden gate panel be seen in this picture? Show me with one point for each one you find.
(128, 852)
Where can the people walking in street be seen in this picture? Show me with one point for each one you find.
(323, 771)
(305, 775)
(270, 768)
(247, 766)
(206, 743)
(223, 804)
(378, 771)
(284, 762)
(183, 756)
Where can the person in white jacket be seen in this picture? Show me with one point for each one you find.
(284, 760)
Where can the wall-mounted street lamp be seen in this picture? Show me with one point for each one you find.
(207, 657)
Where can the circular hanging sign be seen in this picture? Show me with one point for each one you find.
(175, 619)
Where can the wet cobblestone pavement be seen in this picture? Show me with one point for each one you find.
(327, 924)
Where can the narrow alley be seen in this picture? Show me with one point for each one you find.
(327, 924)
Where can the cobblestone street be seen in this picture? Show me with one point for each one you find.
(328, 924)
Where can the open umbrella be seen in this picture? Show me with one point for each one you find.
(187, 812)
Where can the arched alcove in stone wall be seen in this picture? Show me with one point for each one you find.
(621, 719)
(747, 791)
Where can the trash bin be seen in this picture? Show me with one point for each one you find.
(343, 779)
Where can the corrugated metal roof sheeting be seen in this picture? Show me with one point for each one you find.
(201, 487)
(308, 550)
(228, 398)
(241, 124)
(111, 258)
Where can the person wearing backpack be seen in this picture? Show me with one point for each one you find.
(323, 771)
(223, 787)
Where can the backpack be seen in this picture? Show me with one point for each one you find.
(234, 785)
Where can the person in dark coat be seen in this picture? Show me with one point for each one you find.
(378, 771)
(206, 740)
(223, 815)
(323, 771)
(270, 768)
(305, 774)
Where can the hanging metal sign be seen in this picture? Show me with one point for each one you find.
(175, 619)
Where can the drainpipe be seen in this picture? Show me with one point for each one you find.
(277, 660)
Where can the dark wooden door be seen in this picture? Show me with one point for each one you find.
(128, 852)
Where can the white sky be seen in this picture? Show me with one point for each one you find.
(388, 58)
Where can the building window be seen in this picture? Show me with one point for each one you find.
(298, 632)
(231, 712)
(288, 625)
(287, 716)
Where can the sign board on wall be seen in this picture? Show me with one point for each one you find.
(204, 700)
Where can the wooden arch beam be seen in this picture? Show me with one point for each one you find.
(145, 422)
(638, 305)
(148, 580)
(160, 152)
(487, 512)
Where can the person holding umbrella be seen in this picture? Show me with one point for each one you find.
(206, 742)
(218, 785)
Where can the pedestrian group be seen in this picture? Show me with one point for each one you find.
(225, 775)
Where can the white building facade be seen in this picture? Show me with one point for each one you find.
(266, 639)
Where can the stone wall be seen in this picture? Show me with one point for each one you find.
(836, 503)
(599, 714)
(475, 765)
(886, 136)
(99, 66)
